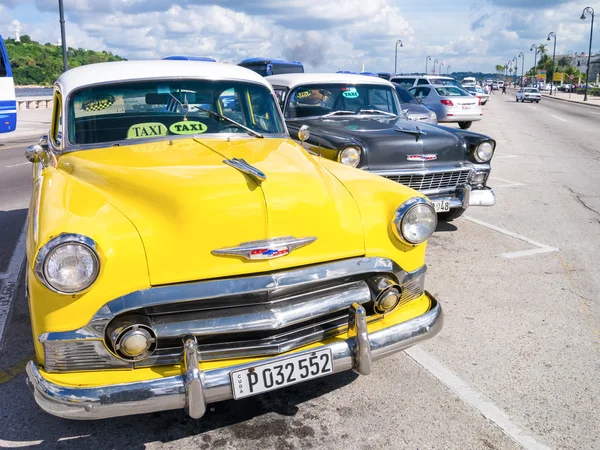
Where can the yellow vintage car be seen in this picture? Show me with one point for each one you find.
(183, 250)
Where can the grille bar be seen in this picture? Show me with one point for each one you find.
(434, 180)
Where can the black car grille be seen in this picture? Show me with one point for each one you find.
(436, 180)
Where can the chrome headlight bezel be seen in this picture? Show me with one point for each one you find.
(402, 213)
(350, 148)
(483, 159)
(51, 246)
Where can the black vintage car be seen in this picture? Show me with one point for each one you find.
(358, 121)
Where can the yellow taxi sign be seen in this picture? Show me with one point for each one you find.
(188, 127)
(147, 129)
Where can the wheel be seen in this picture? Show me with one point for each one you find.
(465, 125)
(537, 101)
(451, 215)
(517, 99)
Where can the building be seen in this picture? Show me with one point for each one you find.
(578, 60)
(594, 69)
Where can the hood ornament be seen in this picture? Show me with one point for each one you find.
(430, 157)
(416, 131)
(265, 249)
(246, 169)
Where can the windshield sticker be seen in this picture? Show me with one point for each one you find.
(350, 92)
(147, 129)
(303, 94)
(98, 103)
(188, 127)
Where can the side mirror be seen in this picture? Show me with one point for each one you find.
(33, 152)
(43, 142)
(304, 133)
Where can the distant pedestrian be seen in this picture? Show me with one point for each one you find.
(504, 88)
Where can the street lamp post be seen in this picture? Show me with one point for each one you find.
(448, 69)
(63, 35)
(534, 46)
(515, 67)
(552, 35)
(522, 56)
(427, 59)
(434, 63)
(589, 11)
(441, 70)
(396, 60)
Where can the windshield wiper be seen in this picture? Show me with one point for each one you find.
(376, 111)
(237, 124)
(335, 113)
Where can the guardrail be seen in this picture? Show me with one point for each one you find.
(34, 102)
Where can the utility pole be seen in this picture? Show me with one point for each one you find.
(63, 36)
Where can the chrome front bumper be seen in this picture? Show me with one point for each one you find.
(194, 389)
(466, 196)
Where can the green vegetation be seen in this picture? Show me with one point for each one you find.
(37, 64)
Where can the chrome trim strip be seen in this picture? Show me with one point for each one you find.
(424, 171)
(254, 318)
(247, 169)
(247, 249)
(167, 393)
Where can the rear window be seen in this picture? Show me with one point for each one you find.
(148, 109)
(533, 91)
(449, 91)
(404, 82)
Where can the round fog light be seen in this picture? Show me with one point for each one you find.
(387, 300)
(136, 342)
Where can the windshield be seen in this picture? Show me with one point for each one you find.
(449, 91)
(321, 99)
(147, 109)
(405, 96)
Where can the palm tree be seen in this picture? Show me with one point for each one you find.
(542, 49)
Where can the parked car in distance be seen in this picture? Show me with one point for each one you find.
(529, 94)
(266, 66)
(451, 104)
(469, 82)
(476, 91)
(408, 81)
(413, 108)
(181, 252)
(500, 84)
(495, 86)
(384, 75)
(357, 121)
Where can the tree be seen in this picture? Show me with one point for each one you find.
(542, 49)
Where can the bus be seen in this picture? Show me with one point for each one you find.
(189, 58)
(8, 104)
(266, 67)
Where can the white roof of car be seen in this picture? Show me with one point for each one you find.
(153, 69)
(292, 80)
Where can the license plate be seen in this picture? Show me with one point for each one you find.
(285, 372)
(441, 205)
(466, 106)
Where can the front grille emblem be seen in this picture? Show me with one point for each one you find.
(430, 157)
(265, 249)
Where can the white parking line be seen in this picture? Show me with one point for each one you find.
(505, 156)
(559, 118)
(10, 283)
(17, 165)
(541, 248)
(509, 183)
(476, 399)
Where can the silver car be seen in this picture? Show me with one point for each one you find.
(450, 103)
(413, 108)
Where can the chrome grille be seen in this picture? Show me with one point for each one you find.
(290, 313)
(435, 180)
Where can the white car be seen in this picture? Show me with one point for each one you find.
(529, 94)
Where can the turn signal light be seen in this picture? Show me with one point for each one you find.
(447, 102)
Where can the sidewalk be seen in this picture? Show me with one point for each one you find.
(30, 123)
(574, 98)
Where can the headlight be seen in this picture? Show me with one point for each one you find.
(68, 264)
(432, 115)
(350, 156)
(484, 152)
(415, 221)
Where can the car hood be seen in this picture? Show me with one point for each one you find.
(185, 203)
(389, 141)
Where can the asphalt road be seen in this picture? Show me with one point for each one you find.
(517, 364)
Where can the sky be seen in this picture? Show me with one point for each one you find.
(326, 35)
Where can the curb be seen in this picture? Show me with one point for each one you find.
(576, 102)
